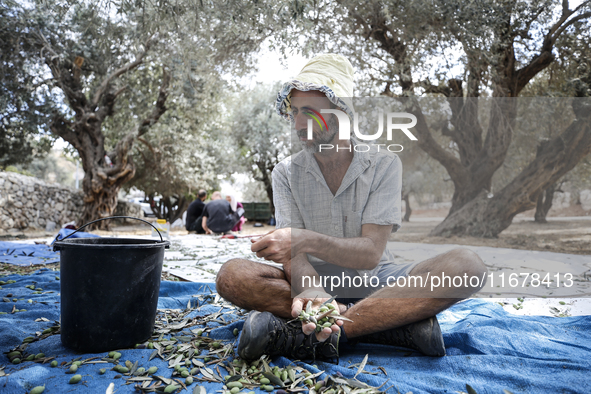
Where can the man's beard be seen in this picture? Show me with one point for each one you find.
(322, 138)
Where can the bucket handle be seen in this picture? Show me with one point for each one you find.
(111, 217)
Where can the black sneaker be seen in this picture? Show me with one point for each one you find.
(424, 336)
(264, 333)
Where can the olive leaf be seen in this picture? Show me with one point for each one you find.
(361, 366)
(273, 379)
(470, 389)
(199, 390)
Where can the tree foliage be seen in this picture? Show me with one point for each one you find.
(262, 137)
(25, 103)
(187, 149)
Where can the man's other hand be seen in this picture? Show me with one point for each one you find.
(275, 246)
(317, 297)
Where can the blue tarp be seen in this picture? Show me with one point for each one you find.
(486, 347)
(18, 253)
(27, 254)
(64, 232)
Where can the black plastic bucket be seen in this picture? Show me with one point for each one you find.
(109, 290)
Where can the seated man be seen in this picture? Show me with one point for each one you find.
(218, 216)
(335, 210)
(194, 212)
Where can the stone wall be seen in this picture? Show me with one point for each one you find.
(27, 203)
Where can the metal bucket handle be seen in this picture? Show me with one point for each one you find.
(113, 217)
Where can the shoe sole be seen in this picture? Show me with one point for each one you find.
(436, 346)
(248, 350)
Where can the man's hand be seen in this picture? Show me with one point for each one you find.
(317, 297)
(204, 226)
(276, 245)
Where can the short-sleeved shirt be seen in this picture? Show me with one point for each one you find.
(220, 217)
(369, 193)
(193, 212)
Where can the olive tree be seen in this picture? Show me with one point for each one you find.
(87, 53)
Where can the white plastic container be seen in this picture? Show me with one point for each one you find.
(164, 227)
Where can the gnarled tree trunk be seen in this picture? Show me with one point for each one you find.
(104, 172)
(407, 209)
(480, 152)
(478, 160)
(544, 204)
(487, 217)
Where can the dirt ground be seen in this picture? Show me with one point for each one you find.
(562, 234)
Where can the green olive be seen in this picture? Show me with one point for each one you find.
(37, 390)
(75, 379)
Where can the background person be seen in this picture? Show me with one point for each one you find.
(218, 216)
(236, 206)
(195, 210)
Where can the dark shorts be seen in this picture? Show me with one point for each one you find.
(349, 292)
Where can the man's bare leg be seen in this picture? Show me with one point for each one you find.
(255, 286)
(264, 288)
(394, 307)
(261, 287)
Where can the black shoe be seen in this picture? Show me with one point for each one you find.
(424, 336)
(263, 333)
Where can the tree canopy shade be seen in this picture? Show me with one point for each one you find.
(84, 55)
(105, 75)
(465, 51)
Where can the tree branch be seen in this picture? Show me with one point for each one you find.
(66, 73)
(62, 127)
(430, 88)
(129, 66)
(566, 13)
(123, 147)
(569, 23)
(118, 92)
(520, 78)
(159, 108)
(545, 58)
(432, 148)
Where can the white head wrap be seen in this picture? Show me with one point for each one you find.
(233, 202)
(330, 74)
